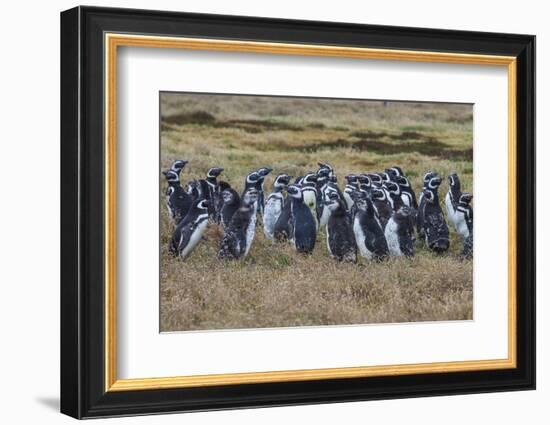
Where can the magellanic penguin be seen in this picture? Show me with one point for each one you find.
(304, 231)
(393, 191)
(231, 203)
(326, 166)
(178, 165)
(239, 234)
(189, 231)
(322, 180)
(407, 193)
(352, 183)
(274, 205)
(328, 189)
(368, 230)
(262, 172)
(340, 239)
(177, 200)
(452, 198)
(209, 185)
(399, 233)
(218, 200)
(430, 181)
(308, 185)
(465, 223)
(435, 229)
(194, 190)
(381, 206)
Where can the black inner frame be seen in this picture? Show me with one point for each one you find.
(82, 208)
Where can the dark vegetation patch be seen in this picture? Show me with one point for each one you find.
(250, 126)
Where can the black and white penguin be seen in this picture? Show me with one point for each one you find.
(218, 199)
(194, 190)
(178, 165)
(465, 223)
(452, 198)
(177, 200)
(274, 205)
(364, 183)
(189, 231)
(308, 185)
(393, 191)
(210, 184)
(239, 234)
(327, 190)
(231, 203)
(326, 166)
(340, 239)
(322, 180)
(430, 181)
(399, 233)
(407, 193)
(352, 183)
(435, 229)
(376, 179)
(381, 206)
(282, 231)
(304, 231)
(368, 230)
(262, 172)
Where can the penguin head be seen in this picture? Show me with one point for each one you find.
(454, 181)
(250, 196)
(264, 171)
(253, 178)
(394, 172)
(178, 165)
(294, 191)
(378, 194)
(214, 172)
(465, 199)
(171, 176)
(364, 181)
(325, 166)
(385, 177)
(376, 179)
(351, 179)
(434, 182)
(333, 202)
(281, 181)
(402, 181)
(393, 188)
(309, 179)
(323, 175)
(427, 177)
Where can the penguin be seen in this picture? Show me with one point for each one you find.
(393, 191)
(326, 166)
(210, 184)
(376, 179)
(430, 180)
(274, 205)
(309, 191)
(231, 203)
(323, 175)
(218, 200)
(364, 183)
(303, 224)
(189, 231)
(452, 198)
(239, 234)
(194, 190)
(178, 165)
(435, 229)
(177, 200)
(262, 172)
(465, 223)
(252, 181)
(351, 185)
(326, 191)
(282, 230)
(368, 230)
(381, 206)
(340, 238)
(407, 193)
(399, 233)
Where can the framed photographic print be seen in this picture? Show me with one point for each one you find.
(261, 212)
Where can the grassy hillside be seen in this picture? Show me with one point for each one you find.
(274, 286)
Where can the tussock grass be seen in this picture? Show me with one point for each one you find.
(274, 286)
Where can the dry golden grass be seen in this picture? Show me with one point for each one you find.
(274, 286)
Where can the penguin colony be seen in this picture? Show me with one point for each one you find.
(376, 215)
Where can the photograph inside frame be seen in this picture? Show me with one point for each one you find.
(295, 211)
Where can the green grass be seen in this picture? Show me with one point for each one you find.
(274, 286)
